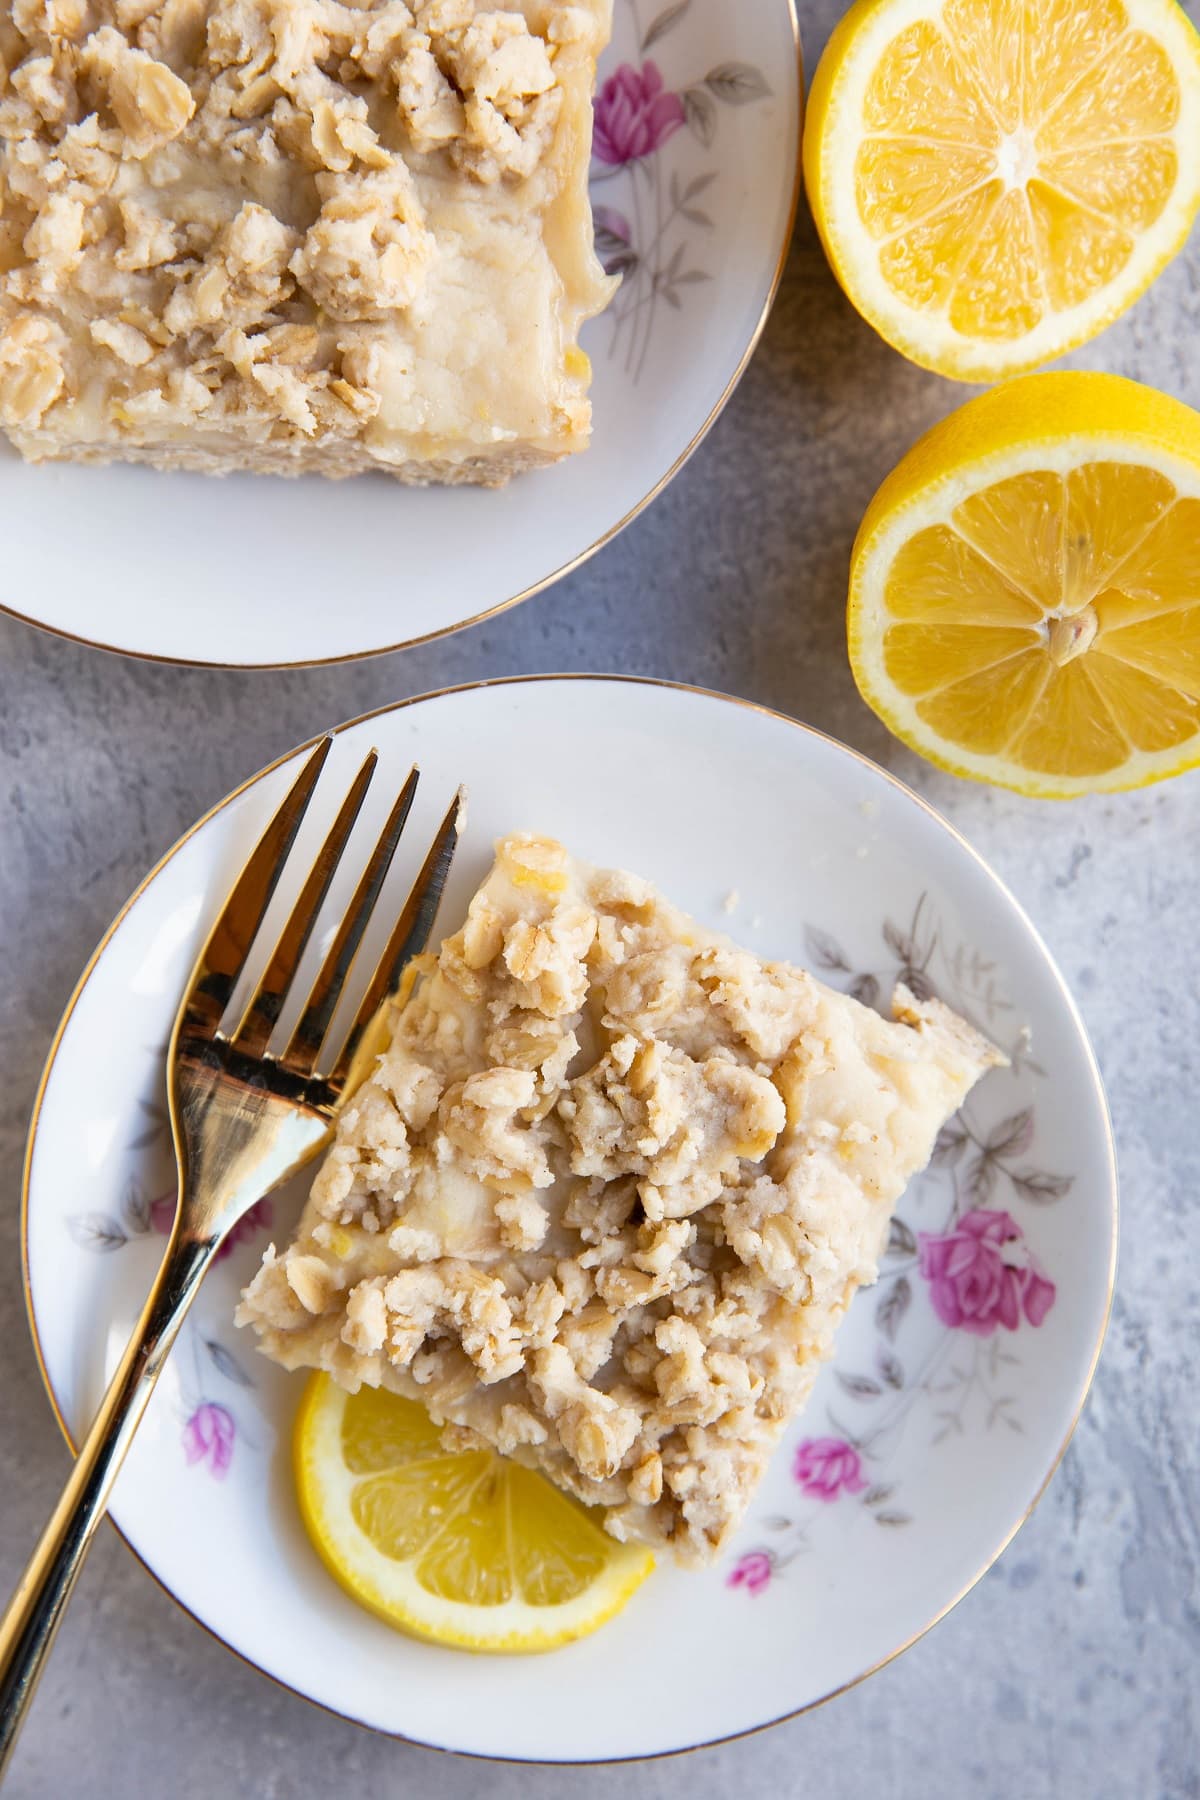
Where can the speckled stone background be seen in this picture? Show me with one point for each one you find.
(1073, 1670)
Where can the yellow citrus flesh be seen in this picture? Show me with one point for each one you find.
(466, 1548)
(1025, 588)
(995, 180)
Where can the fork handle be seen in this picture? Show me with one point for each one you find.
(36, 1609)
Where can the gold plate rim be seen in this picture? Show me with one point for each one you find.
(564, 569)
(924, 806)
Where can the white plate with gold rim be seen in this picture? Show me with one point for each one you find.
(957, 1380)
(695, 183)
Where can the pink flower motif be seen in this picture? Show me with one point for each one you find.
(634, 117)
(208, 1438)
(827, 1467)
(982, 1275)
(162, 1214)
(752, 1572)
(162, 1217)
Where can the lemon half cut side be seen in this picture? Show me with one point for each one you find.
(1025, 588)
(994, 181)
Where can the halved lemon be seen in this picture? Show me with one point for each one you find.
(995, 180)
(463, 1548)
(1025, 588)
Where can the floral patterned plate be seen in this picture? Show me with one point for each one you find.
(695, 182)
(957, 1379)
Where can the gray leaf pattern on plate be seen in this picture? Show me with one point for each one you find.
(649, 239)
(977, 1274)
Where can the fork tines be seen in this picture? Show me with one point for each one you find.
(233, 937)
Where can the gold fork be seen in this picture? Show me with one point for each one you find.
(242, 1121)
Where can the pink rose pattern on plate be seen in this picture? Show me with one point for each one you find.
(752, 1571)
(978, 1275)
(210, 1428)
(826, 1467)
(649, 239)
(634, 116)
(208, 1438)
(981, 1274)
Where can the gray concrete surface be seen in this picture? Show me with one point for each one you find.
(1073, 1670)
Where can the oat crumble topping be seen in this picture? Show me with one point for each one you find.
(294, 234)
(609, 1192)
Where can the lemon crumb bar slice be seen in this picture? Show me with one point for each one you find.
(609, 1191)
(298, 235)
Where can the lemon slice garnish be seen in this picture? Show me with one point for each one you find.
(462, 1548)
